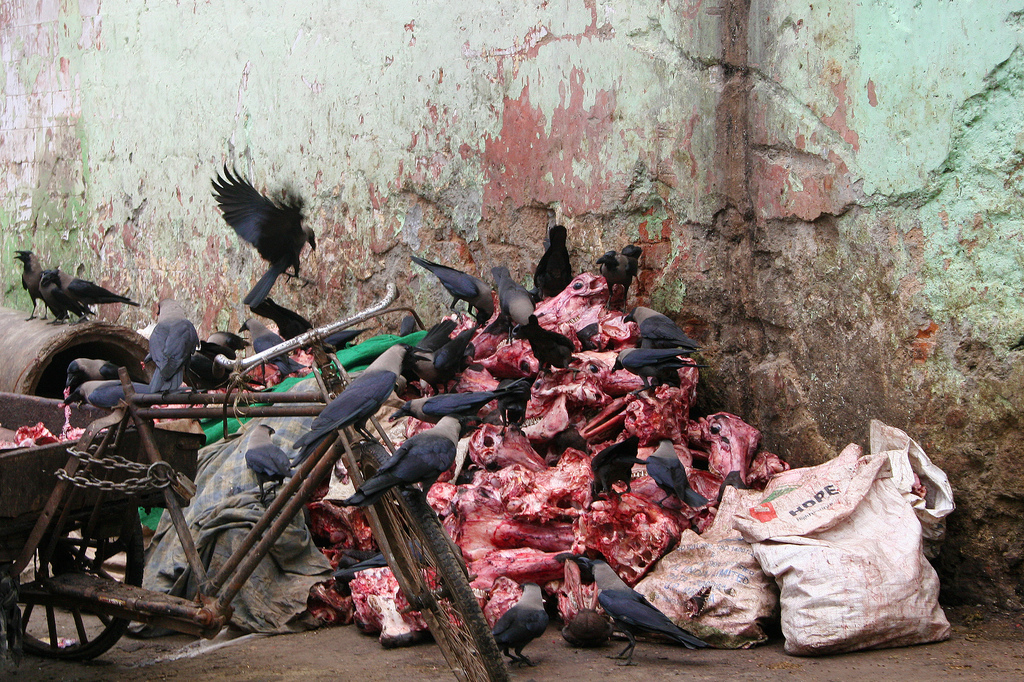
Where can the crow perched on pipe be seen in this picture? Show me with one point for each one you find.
(357, 403)
(32, 272)
(276, 230)
(106, 394)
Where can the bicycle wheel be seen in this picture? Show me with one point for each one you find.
(73, 632)
(426, 561)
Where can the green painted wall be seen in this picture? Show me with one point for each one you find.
(828, 193)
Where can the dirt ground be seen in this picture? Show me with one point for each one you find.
(982, 647)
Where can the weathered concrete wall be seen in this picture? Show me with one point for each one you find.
(827, 193)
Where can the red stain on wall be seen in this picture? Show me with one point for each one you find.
(526, 164)
(837, 121)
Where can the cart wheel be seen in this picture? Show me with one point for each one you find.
(426, 558)
(76, 633)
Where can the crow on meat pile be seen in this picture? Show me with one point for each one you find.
(463, 405)
(515, 394)
(631, 611)
(32, 272)
(81, 370)
(463, 287)
(515, 301)
(276, 230)
(520, 625)
(613, 465)
(621, 268)
(554, 271)
(655, 366)
(289, 323)
(266, 460)
(171, 345)
(420, 459)
(419, 360)
(658, 331)
(358, 402)
(264, 339)
(670, 474)
(106, 394)
(441, 366)
(550, 348)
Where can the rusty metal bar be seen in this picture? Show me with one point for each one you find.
(170, 501)
(324, 463)
(245, 398)
(306, 338)
(308, 410)
(286, 492)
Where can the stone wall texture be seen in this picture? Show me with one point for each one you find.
(828, 194)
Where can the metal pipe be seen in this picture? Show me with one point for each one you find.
(306, 338)
(308, 410)
(252, 398)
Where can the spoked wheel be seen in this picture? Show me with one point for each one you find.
(55, 629)
(434, 579)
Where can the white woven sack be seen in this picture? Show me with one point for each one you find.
(845, 549)
(907, 458)
(740, 596)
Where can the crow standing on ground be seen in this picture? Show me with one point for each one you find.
(658, 331)
(32, 272)
(670, 474)
(520, 625)
(631, 611)
(81, 370)
(554, 271)
(463, 287)
(420, 459)
(276, 230)
(614, 464)
(357, 403)
(266, 460)
(171, 346)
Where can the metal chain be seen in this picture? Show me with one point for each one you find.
(157, 475)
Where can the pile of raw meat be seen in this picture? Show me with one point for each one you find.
(524, 496)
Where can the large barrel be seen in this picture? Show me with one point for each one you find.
(34, 354)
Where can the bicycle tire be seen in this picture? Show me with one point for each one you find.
(450, 608)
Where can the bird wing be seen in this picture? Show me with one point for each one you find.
(92, 292)
(359, 400)
(272, 228)
(421, 457)
(632, 609)
(268, 459)
(664, 329)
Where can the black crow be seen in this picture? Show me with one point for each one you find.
(88, 369)
(463, 287)
(670, 474)
(554, 272)
(276, 230)
(171, 345)
(614, 464)
(621, 268)
(520, 625)
(289, 323)
(550, 348)
(420, 459)
(57, 300)
(358, 402)
(658, 331)
(465, 405)
(631, 611)
(654, 365)
(32, 272)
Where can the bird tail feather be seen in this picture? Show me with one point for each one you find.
(262, 287)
